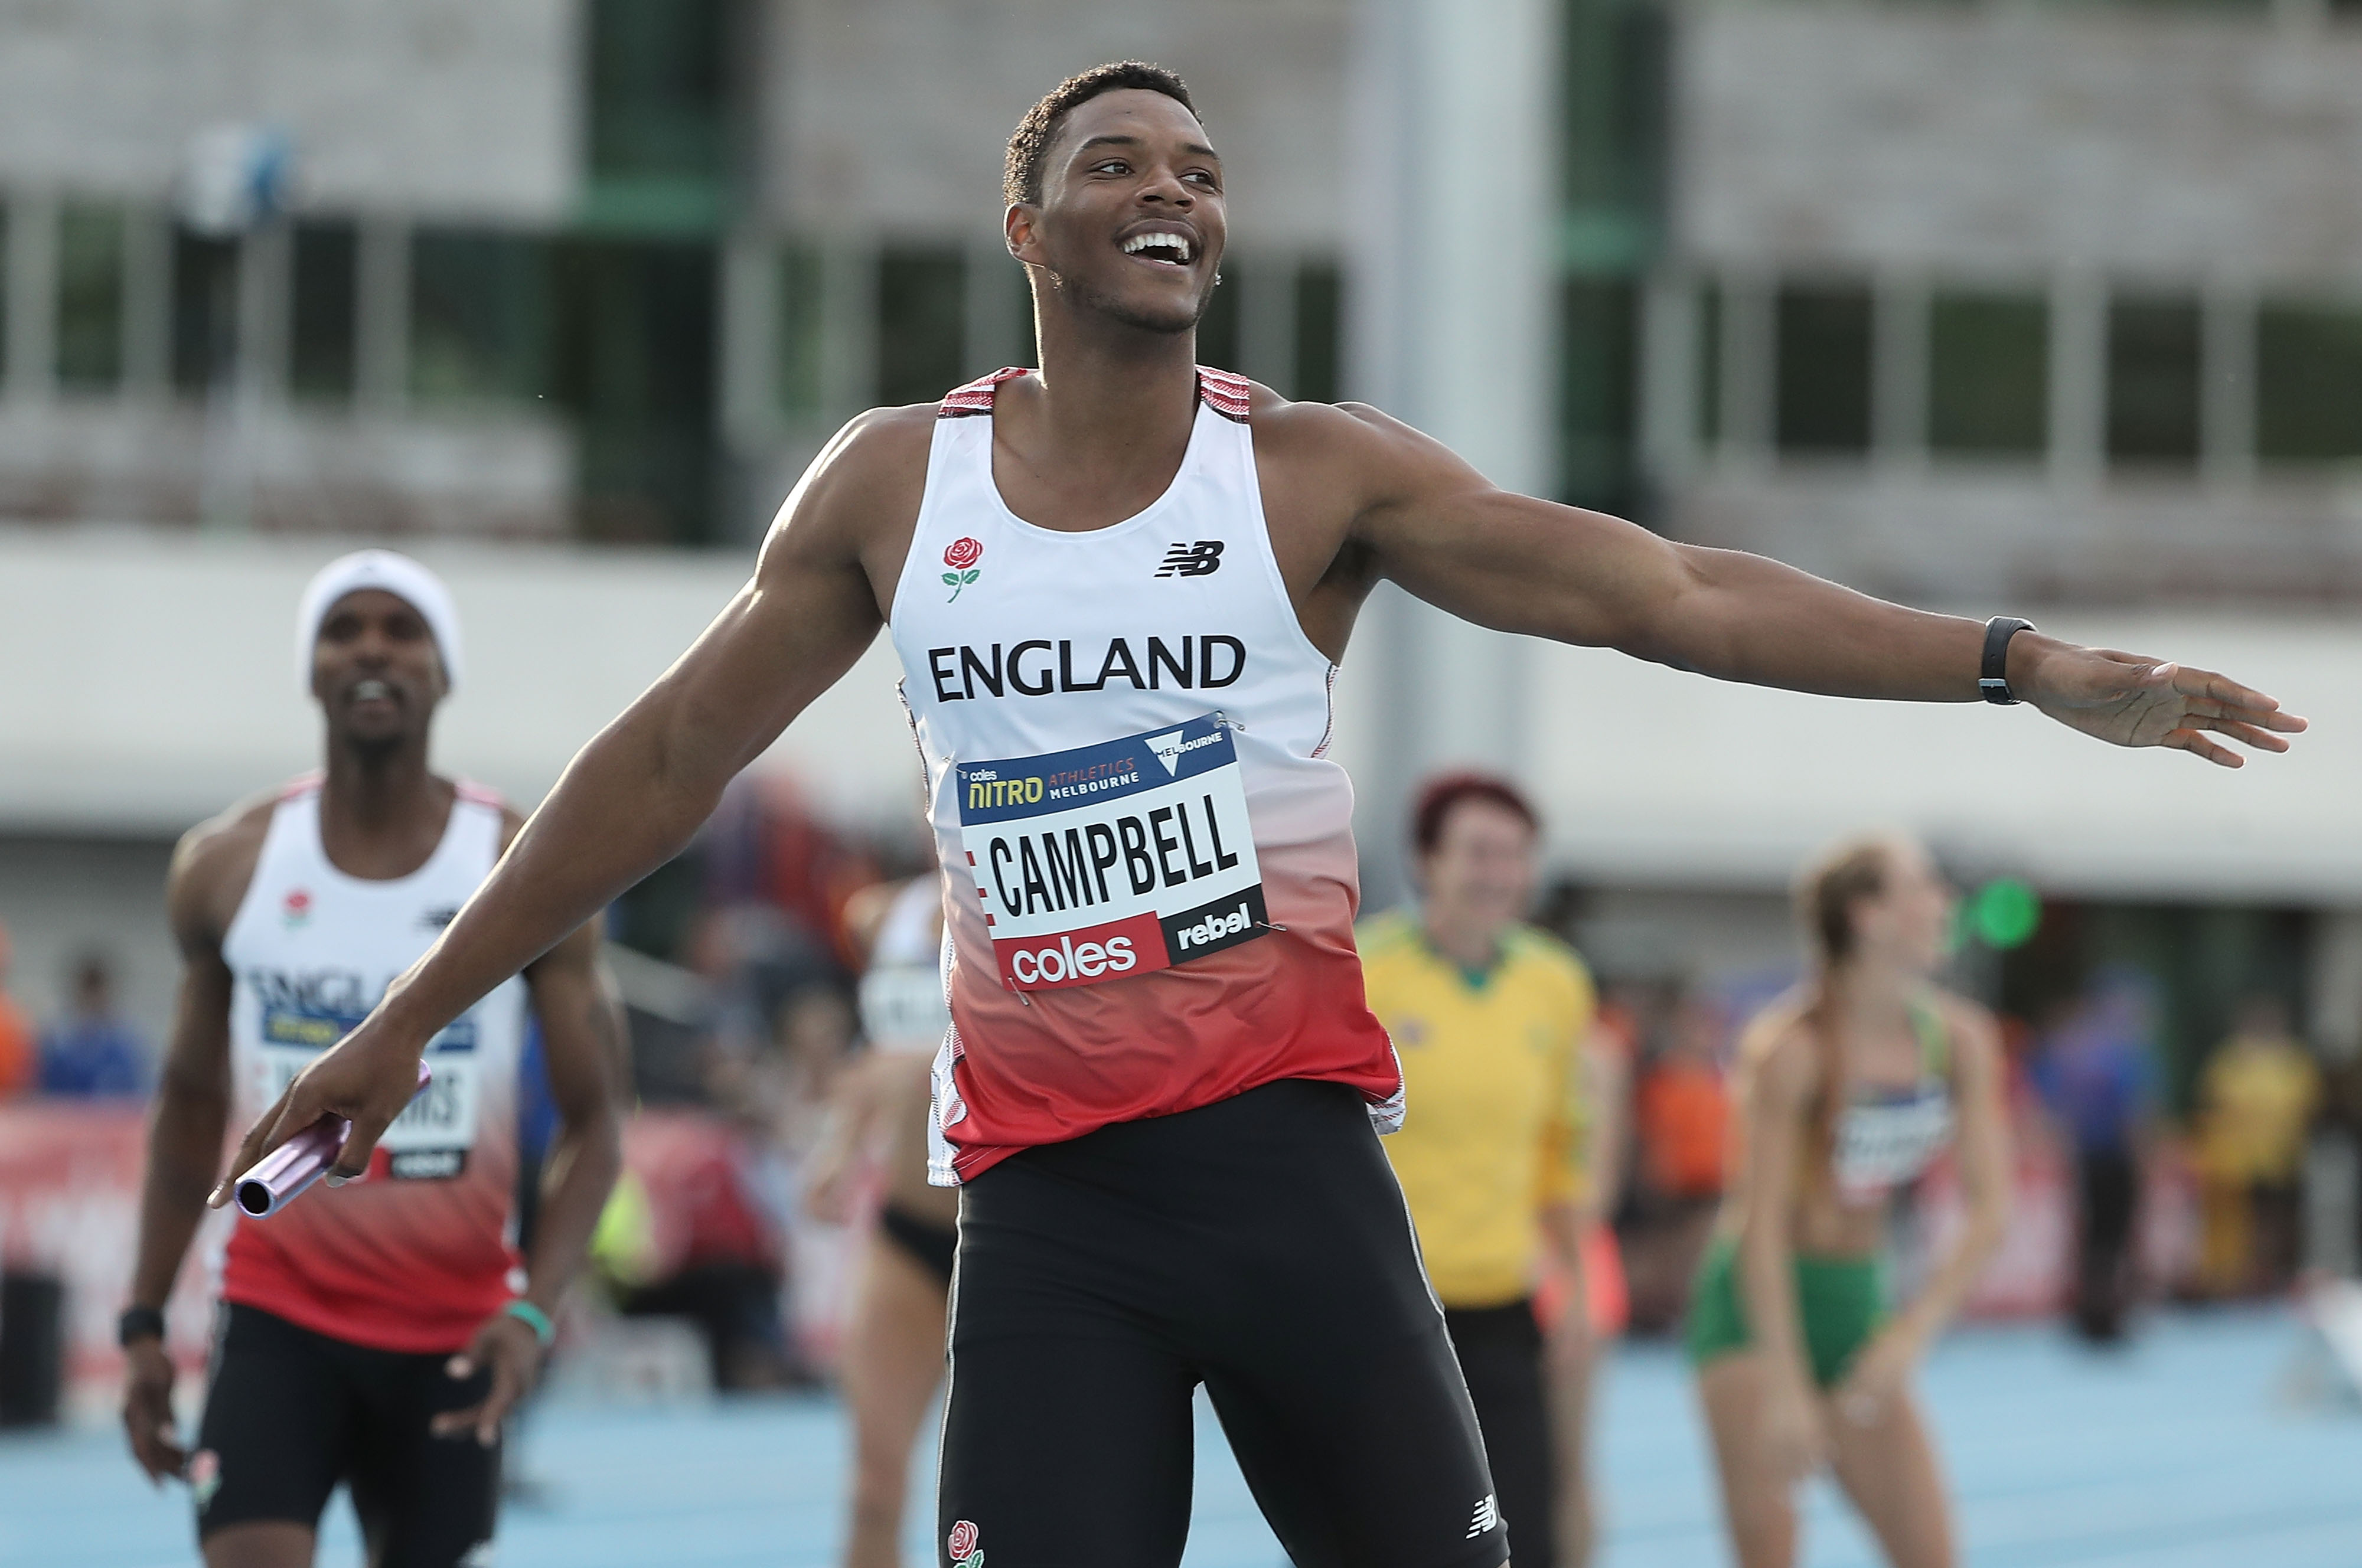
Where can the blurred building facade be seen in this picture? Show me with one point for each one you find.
(2043, 308)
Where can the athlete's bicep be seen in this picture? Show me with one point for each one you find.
(810, 609)
(583, 1030)
(1980, 1093)
(208, 868)
(1441, 530)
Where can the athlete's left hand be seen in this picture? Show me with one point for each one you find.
(508, 1345)
(2130, 700)
(1878, 1377)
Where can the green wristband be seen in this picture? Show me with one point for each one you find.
(534, 1317)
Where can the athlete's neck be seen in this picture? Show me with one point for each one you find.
(1110, 420)
(1865, 1000)
(381, 812)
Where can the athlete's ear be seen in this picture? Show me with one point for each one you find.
(1020, 226)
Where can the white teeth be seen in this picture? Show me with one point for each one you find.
(1140, 242)
(365, 690)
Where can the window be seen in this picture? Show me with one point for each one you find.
(479, 315)
(922, 321)
(204, 309)
(89, 297)
(630, 361)
(1319, 309)
(656, 89)
(803, 391)
(325, 311)
(1597, 361)
(2309, 383)
(2153, 379)
(1988, 374)
(1823, 358)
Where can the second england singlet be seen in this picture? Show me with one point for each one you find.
(1149, 880)
(417, 1255)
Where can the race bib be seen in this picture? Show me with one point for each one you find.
(902, 1008)
(431, 1138)
(1113, 860)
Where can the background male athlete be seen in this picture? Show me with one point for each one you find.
(1350, 497)
(369, 1334)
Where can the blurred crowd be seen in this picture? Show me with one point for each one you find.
(735, 1060)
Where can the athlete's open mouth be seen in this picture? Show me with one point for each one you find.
(371, 691)
(1164, 246)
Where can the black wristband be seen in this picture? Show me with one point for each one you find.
(1993, 680)
(139, 1323)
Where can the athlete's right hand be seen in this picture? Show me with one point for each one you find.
(148, 1412)
(368, 1077)
(1795, 1433)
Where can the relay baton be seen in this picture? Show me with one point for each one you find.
(276, 1179)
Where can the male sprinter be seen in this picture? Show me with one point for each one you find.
(373, 1335)
(1118, 587)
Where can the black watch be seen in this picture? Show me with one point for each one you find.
(1993, 680)
(139, 1323)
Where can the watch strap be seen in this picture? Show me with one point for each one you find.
(1993, 678)
(139, 1323)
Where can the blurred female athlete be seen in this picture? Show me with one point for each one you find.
(893, 1349)
(1847, 1089)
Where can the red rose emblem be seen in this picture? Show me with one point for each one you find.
(963, 1534)
(298, 902)
(964, 554)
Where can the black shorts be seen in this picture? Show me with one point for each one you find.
(1259, 1246)
(290, 1413)
(1500, 1351)
(932, 1246)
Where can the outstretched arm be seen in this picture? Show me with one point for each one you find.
(1434, 525)
(633, 797)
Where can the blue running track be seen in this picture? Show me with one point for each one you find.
(2177, 1453)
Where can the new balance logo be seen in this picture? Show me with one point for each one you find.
(1200, 559)
(1488, 1517)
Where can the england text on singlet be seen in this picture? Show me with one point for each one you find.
(1149, 882)
(417, 1256)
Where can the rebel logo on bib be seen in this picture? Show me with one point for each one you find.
(1114, 859)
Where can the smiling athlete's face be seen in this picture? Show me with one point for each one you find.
(1130, 224)
(376, 670)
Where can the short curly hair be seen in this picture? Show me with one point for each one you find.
(1029, 144)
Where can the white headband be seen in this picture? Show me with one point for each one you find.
(395, 574)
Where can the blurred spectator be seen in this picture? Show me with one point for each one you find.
(1681, 1119)
(2256, 1096)
(93, 1054)
(2096, 1073)
(18, 1059)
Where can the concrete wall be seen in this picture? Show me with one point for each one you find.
(458, 107)
(496, 473)
(2003, 139)
(889, 116)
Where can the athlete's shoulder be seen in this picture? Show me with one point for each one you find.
(1779, 1047)
(214, 864)
(1341, 429)
(876, 460)
(1971, 1031)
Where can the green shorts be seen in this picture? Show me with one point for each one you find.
(1839, 1304)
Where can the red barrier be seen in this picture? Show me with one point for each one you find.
(70, 1206)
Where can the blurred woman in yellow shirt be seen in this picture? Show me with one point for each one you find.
(1488, 1016)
